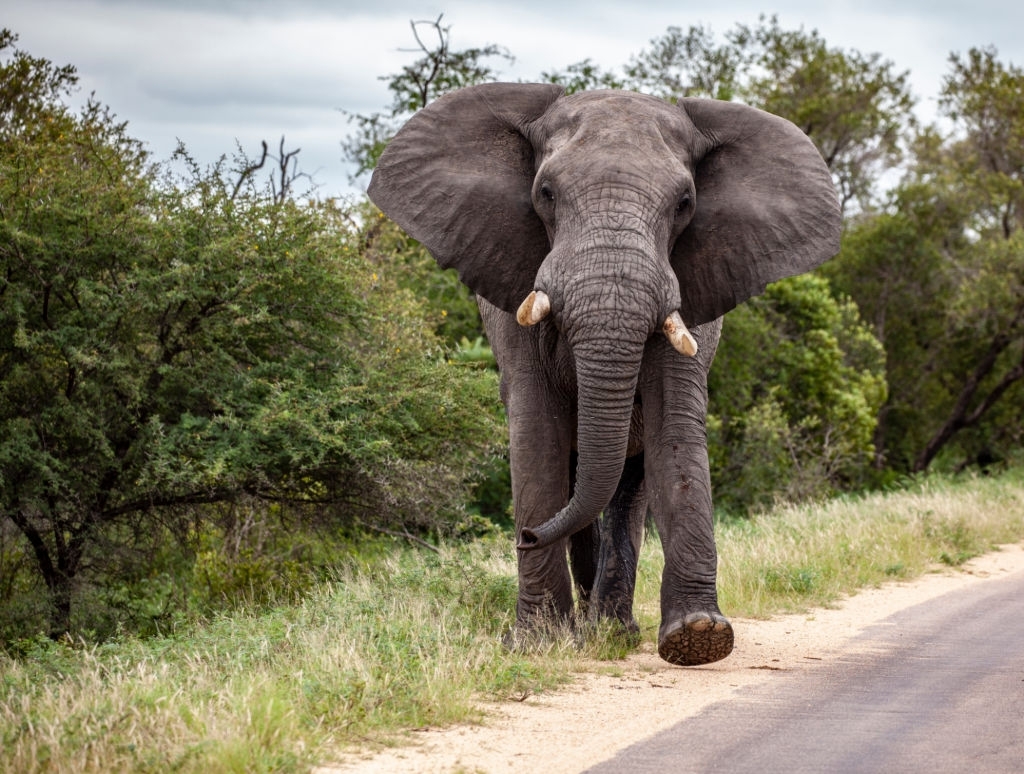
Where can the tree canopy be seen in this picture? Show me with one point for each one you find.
(940, 273)
(793, 397)
(438, 70)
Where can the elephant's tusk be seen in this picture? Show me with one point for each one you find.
(534, 309)
(678, 335)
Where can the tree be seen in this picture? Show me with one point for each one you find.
(438, 71)
(793, 397)
(451, 309)
(693, 64)
(854, 106)
(168, 344)
(31, 89)
(678, 64)
(582, 76)
(941, 275)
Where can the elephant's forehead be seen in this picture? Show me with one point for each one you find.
(619, 117)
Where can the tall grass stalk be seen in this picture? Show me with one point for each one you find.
(799, 556)
(413, 639)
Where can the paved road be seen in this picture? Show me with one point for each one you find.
(935, 688)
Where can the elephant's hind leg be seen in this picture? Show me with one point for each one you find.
(621, 534)
(583, 551)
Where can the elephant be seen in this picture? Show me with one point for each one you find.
(605, 233)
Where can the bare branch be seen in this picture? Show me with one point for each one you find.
(250, 170)
(405, 534)
(961, 416)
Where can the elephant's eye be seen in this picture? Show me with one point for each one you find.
(547, 192)
(684, 203)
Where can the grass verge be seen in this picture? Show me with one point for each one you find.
(414, 640)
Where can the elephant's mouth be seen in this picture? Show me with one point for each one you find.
(537, 306)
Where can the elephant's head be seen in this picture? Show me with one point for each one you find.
(616, 215)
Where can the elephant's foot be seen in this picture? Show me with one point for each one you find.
(699, 638)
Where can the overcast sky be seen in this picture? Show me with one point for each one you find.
(211, 73)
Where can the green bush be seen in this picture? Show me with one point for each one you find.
(170, 342)
(793, 397)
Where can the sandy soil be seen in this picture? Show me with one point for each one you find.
(630, 700)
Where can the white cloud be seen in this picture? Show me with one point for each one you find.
(214, 72)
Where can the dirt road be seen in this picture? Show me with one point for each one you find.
(938, 687)
(601, 715)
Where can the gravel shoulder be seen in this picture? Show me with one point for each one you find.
(626, 701)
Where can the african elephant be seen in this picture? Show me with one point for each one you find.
(605, 234)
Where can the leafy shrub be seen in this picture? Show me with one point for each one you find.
(793, 397)
(172, 341)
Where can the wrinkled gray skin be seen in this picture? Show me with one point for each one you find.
(622, 209)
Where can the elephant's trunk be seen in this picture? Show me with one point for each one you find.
(607, 370)
(605, 410)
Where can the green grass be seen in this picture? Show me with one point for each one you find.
(800, 556)
(413, 639)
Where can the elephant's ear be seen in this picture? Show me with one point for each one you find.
(458, 176)
(766, 208)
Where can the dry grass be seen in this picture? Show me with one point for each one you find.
(797, 557)
(411, 641)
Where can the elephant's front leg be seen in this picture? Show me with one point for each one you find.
(674, 389)
(541, 421)
(540, 440)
